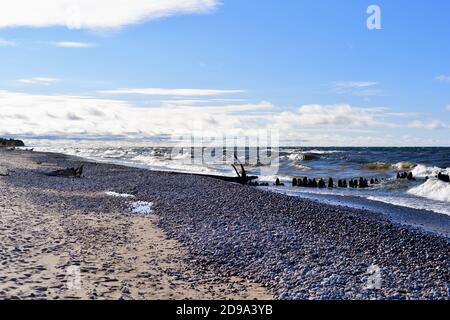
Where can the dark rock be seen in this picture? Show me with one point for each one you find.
(11, 143)
(443, 177)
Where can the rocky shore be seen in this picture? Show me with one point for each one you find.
(294, 248)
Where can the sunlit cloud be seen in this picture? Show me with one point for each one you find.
(39, 80)
(82, 117)
(72, 44)
(99, 14)
(429, 125)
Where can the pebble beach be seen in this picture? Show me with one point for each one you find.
(202, 239)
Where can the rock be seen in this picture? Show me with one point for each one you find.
(11, 143)
(443, 177)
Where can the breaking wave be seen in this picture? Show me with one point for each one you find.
(433, 189)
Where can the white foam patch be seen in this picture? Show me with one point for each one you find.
(424, 171)
(433, 189)
(118, 195)
(141, 207)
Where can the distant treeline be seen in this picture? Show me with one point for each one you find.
(11, 143)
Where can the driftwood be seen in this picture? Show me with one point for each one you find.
(69, 172)
(242, 177)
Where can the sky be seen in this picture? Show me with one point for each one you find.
(312, 70)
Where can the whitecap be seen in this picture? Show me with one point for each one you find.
(424, 171)
(433, 189)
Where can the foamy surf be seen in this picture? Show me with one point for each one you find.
(433, 189)
(424, 171)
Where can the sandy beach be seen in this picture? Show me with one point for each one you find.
(204, 239)
(52, 228)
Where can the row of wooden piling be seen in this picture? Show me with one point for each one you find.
(321, 183)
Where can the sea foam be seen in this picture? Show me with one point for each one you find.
(424, 171)
(433, 189)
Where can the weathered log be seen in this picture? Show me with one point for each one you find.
(68, 173)
(242, 177)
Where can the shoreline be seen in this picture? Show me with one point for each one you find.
(428, 221)
(281, 242)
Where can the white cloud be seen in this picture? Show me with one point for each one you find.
(7, 43)
(430, 125)
(99, 14)
(72, 44)
(443, 78)
(38, 80)
(342, 115)
(357, 88)
(78, 116)
(170, 92)
(65, 116)
(355, 84)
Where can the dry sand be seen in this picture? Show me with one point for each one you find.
(46, 242)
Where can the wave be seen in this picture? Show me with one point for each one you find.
(302, 167)
(302, 156)
(377, 166)
(413, 203)
(404, 165)
(315, 151)
(424, 171)
(433, 189)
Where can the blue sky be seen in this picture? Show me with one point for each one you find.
(310, 69)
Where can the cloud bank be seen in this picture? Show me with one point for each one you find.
(87, 117)
(98, 14)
